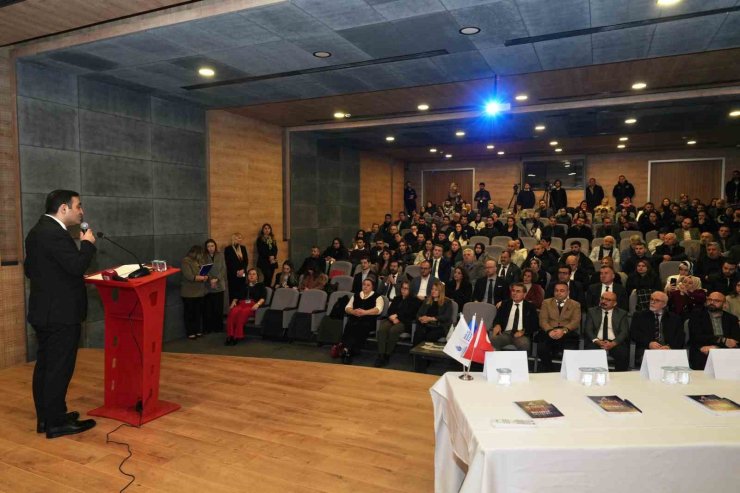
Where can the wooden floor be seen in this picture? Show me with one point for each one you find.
(246, 425)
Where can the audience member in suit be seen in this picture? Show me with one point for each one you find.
(669, 250)
(724, 281)
(560, 318)
(594, 194)
(607, 328)
(576, 273)
(725, 240)
(401, 315)
(509, 271)
(313, 261)
(362, 310)
(390, 284)
(472, 267)
(267, 251)
(492, 288)
(441, 268)
(607, 284)
(366, 272)
(535, 293)
(584, 262)
(575, 288)
(516, 321)
(459, 288)
(687, 231)
(580, 230)
(434, 316)
(711, 328)
(237, 260)
(710, 263)
(57, 305)
(657, 327)
(421, 287)
(637, 252)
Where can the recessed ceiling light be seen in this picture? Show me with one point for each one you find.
(448, 156)
(539, 128)
(558, 150)
(321, 54)
(639, 85)
(667, 3)
(500, 153)
(553, 142)
(490, 146)
(390, 138)
(339, 114)
(571, 174)
(521, 97)
(531, 174)
(469, 30)
(735, 113)
(630, 121)
(422, 107)
(432, 150)
(691, 142)
(621, 146)
(206, 72)
(460, 133)
(624, 139)
(566, 166)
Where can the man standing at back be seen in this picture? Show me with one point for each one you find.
(57, 305)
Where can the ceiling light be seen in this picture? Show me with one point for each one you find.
(492, 108)
(321, 54)
(460, 133)
(735, 113)
(422, 107)
(390, 138)
(469, 30)
(448, 156)
(339, 114)
(521, 97)
(624, 139)
(490, 146)
(206, 72)
(691, 142)
(667, 3)
(432, 150)
(639, 85)
(558, 150)
(566, 166)
(531, 174)
(539, 128)
(621, 146)
(630, 121)
(500, 153)
(571, 174)
(553, 142)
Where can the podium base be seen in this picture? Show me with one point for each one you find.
(130, 416)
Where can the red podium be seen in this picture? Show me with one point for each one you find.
(134, 318)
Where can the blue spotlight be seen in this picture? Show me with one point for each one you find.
(494, 107)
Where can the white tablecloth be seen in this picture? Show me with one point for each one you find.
(674, 446)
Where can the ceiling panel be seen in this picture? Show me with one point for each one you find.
(402, 9)
(684, 36)
(728, 34)
(498, 22)
(627, 44)
(564, 53)
(341, 15)
(517, 59)
(552, 17)
(287, 21)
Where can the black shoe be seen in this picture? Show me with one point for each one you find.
(346, 357)
(69, 428)
(234, 341)
(379, 361)
(41, 424)
(228, 341)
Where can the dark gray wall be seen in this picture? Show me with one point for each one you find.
(138, 161)
(325, 193)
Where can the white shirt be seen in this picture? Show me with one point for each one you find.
(392, 280)
(603, 288)
(378, 302)
(423, 286)
(610, 330)
(57, 220)
(686, 234)
(435, 267)
(510, 322)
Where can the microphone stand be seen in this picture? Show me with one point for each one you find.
(141, 271)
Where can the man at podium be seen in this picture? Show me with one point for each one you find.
(56, 307)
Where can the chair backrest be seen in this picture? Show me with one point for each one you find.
(484, 311)
(405, 231)
(500, 241)
(284, 298)
(494, 251)
(413, 271)
(334, 297)
(692, 247)
(529, 242)
(344, 283)
(479, 239)
(630, 232)
(557, 242)
(340, 268)
(386, 305)
(268, 296)
(312, 300)
(585, 244)
(686, 333)
(624, 244)
(633, 301)
(668, 268)
(597, 242)
(651, 235)
(455, 311)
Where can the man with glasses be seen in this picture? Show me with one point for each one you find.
(656, 328)
(492, 288)
(560, 319)
(421, 286)
(606, 327)
(711, 328)
(516, 321)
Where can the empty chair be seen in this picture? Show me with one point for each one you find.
(502, 241)
(260, 313)
(283, 306)
(344, 283)
(624, 244)
(340, 268)
(557, 243)
(483, 311)
(413, 271)
(633, 301)
(630, 232)
(494, 251)
(597, 243)
(311, 309)
(692, 248)
(479, 239)
(651, 235)
(585, 244)
(666, 269)
(529, 242)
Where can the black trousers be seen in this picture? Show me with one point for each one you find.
(620, 353)
(213, 312)
(193, 315)
(55, 364)
(427, 332)
(547, 347)
(356, 332)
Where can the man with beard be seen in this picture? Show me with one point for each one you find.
(711, 328)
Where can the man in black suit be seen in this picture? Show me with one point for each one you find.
(723, 281)
(553, 229)
(57, 305)
(669, 250)
(575, 288)
(606, 276)
(516, 321)
(594, 194)
(421, 286)
(606, 327)
(365, 273)
(492, 288)
(509, 271)
(711, 328)
(313, 262)
(441, 268)
(656, 328)
(580, 230)
(578, 274)
(584, 261)
(390, 285)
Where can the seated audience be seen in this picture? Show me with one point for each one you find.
(242, 309)
(575, 288)
(480, 252)
(607, 327)
(580, 230)
(541, 277)
(687, 231)
(313, 280)
(656, 327)
(686, 297)
(363, 310)
(421, 287)
(710, 263)
(335, 251)
(685, 268)
(636, 252)
(518, 254)
(473, 267)
(491, 288)
(425, 253)
(441, 267)
(516, 321)
(365, 272)
(669, 250)
(434, 315)
(724, 281)
(644, 281)
(607, 284)
(606, 249)
(535, 293)
(401, 315)
(560, 319)
(509, 271)
(314, 261)
(711, 328)
(459, 288)
(389, 285)
(382, 266)
(286, 278)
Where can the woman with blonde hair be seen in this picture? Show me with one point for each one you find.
(435, 315)
(237, 261)
(267, 251)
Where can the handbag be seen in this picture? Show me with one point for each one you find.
(336, 350)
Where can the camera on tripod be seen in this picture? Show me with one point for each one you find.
(516, 188)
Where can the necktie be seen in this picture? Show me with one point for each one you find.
(607, 289)
(560, 307)
(489, 298)
(434, 269)
(657, 327)
(515, 325)
(605, 327)
(502, 273)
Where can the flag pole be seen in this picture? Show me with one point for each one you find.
(466, 376)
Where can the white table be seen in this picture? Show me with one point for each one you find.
(673, 446)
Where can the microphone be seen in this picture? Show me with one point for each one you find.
(141, 271)
(84, 227)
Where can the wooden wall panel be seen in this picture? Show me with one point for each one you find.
(245, 179)
(12, 316)
(672, 178)
(381, 183)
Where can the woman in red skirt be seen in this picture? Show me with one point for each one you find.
(242, 309)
